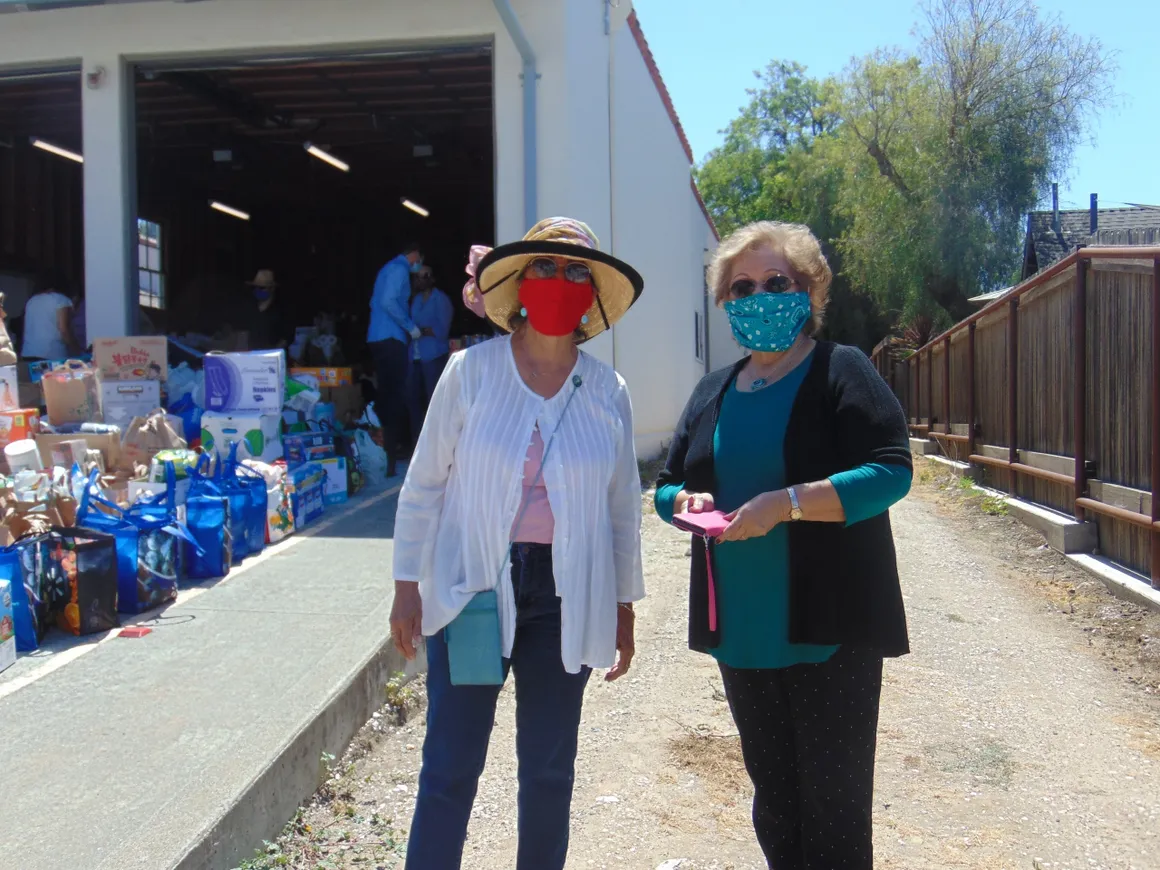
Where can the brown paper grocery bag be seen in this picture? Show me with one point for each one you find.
(71, 394)
(148, 436)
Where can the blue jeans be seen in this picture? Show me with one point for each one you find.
(459, 722)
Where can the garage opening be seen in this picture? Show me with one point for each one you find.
(319, 170)
(41, 187)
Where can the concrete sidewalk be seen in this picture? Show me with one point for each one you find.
(187, 747)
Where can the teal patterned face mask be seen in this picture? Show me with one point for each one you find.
(768, 322)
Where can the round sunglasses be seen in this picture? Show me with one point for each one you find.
(774, 284)
(545, 269)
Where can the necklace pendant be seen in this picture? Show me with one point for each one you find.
(758, 384)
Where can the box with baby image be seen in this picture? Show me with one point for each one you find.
(258, 436)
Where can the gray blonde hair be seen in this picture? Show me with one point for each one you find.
(795, 242)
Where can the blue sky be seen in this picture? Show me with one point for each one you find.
(707, 51)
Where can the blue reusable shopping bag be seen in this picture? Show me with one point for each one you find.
(207, 516)
(233, 490)
(255, 510)
(98, 513)
(17, 566)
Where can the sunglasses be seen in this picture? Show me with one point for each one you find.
(545, 268)
(774, 284)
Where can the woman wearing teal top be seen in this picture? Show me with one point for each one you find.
(804, 448)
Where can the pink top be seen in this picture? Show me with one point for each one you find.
(537, 523)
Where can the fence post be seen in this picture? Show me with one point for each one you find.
(947, 388)
(930, 392)
(1013, 388)
(1079, 348)
(971, 446)
(915, 363)
(1156, 423)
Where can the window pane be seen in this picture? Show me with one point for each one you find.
(154, 259)
(143, 299)
(142, 255)
(143, 280)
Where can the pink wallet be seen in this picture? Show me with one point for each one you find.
(708, 526)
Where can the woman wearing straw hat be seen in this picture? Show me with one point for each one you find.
(517, 536)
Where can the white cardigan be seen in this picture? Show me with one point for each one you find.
(465, 482)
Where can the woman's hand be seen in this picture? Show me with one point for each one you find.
(756, 517)
(406, 618)
(625, 641)
(694, 502)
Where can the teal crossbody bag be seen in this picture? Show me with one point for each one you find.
(474, 643)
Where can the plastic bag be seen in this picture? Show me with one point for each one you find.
(184, 381)
(372, 456)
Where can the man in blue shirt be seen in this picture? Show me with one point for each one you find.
(431, 311)
(388, 337)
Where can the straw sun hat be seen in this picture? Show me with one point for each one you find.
(497, 274)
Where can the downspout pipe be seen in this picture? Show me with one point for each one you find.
(531, 161)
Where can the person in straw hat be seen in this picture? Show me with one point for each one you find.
(517, 536)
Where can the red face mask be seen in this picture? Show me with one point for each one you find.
(555, 305)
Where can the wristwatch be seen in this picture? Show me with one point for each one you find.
(795, 509)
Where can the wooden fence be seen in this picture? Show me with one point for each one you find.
(1064, 365)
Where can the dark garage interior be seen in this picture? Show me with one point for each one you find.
(415, 126)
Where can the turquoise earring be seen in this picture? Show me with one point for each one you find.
(584, 319)
(523, 312)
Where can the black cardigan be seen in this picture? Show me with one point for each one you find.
(843, 580)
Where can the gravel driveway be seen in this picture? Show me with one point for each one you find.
(1023, 731)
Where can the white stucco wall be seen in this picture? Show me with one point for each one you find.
(615, 161)
(110, 36)
(660, 229)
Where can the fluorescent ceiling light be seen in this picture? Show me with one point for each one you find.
(327, 157)
(232, 212)
(417, 209)
(57, 150)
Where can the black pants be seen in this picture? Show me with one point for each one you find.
(390, 356)
(808, 735)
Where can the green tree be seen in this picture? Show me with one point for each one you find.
(779, 161)
(915, 170)
(949, 149)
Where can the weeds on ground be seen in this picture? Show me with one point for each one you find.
(400, 698)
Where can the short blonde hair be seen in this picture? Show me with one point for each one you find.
(795, 242)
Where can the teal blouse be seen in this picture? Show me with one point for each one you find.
(752, 576)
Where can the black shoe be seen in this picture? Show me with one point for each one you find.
(392, 468)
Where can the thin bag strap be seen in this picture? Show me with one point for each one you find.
(577, 382)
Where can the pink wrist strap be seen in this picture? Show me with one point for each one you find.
(712, 590)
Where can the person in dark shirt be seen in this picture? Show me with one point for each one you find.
(263, 317)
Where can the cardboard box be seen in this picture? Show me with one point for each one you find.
(303, 447)
(109, 445)
(9, 389)
(335, 489)
(123, 400)
(306, 484)
(71, 396)
(347, 401)
(132, 358)
(259, 436)
(7, 627)
(323, 377)
(18, 424)
(138, 488)
(248, 383)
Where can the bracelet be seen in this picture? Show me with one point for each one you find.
(627, 605)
